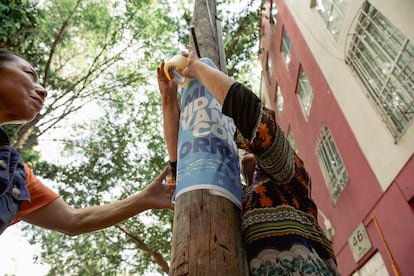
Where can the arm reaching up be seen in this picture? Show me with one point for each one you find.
(214, 80)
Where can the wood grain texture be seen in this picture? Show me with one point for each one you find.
(206, 236)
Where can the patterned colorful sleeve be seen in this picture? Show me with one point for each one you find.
(264, 138)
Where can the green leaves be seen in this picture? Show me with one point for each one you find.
(18, 21)
(104, 54)
(112, 162)
(241, 40)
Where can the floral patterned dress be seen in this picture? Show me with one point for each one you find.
(279, 218)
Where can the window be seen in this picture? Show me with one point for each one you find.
(333, 168)
(269, 66)
(305, 93)
(279, 99)
(332, 13)
(269, 11)
(292, 141)
(374, 266)
(263, 92)
(383, 59)
(273, 13)
(286, 45)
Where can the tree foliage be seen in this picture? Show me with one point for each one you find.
(100, 51)
(241, 37)
(105, 52)
(19, 27)
(86, 49)
(116, 156)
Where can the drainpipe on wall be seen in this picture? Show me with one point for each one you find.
(387, 249)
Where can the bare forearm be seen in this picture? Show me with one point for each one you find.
(58, 215)
(214, 80)
(99, 217)
(171, 114)
(170, 111)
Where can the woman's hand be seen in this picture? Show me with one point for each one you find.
(168, 88)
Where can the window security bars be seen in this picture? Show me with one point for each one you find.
(383, 59)
(286, 46)
(332, 165)
(279, 100)
(292, 141)
(332, 13)
(305, 93)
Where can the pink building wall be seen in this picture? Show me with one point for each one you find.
(362, 201)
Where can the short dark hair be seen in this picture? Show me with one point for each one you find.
(7, 55)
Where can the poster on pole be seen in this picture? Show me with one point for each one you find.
(207, 154)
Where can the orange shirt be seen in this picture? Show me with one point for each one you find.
(40, 195)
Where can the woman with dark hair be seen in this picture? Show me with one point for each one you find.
(23, 196)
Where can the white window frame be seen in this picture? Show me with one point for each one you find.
(374, 266)
(332, 13)
(291, 139)
(279, 99)
(273, 12)
(269, 67)
(332, 165)
(304, 92)
(286, 46)
(383, 59)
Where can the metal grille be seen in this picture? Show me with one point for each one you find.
(383, 59)
(279, 99)
(332, 13)
(305, 93)
(292, 141)
(286, 45)
(332, 166)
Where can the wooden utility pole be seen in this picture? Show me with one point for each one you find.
(206, 232)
